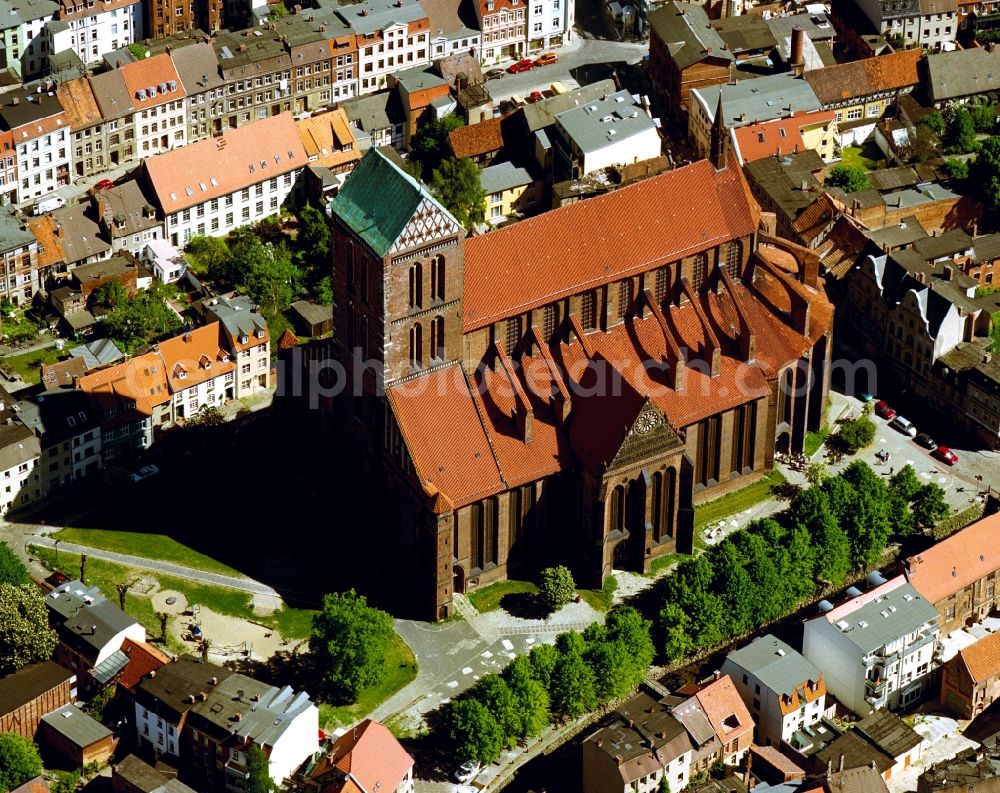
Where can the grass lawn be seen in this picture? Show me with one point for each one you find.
(401, 669)
(814, 440)
(661, 562)
(488, 598)
(734, 502)
(148, 546)
(852, 156)
(27, 365)
(600, 599)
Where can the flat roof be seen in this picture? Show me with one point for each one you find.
(76, 726)
(602, 122)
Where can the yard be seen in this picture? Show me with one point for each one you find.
(488, 598)
(28, 364)
(737, 501)
(854, 156)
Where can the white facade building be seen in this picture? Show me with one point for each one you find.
(246, 335)
(199, 372)
(40, 138)
(19, 476)
(391, 37)
(92, 29)
(877, 649)
(214, 186)
(167, 263)
(157, 96)
(550, 23)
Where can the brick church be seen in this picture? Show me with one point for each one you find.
(567, 388)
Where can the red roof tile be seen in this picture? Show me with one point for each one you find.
(371, 755)
(882, 73)
(151, 73)
(566, 251)
(982, 659)
(725, 709)
(142, 659)
(952, 564)
(781, 136)
(476, 139)
(194, 357)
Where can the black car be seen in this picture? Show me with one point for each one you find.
(494, 74)
(925, 440)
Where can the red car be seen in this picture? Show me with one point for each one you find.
(883, 410)
(104, 184)
(521, 66)
(536, 96)
(945, 455)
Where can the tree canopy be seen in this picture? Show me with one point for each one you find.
(430, 144)
(852, 178)
(259, 771)
(19, 761)
(12, 570)
(25, 635)
(456, 184)
(960, 130)
(141, 318)
(556, 587)
(985, 172)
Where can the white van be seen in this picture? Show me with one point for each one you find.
(48, 203)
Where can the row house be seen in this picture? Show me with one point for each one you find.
(8, 168)
(127, 218)
(165, 18)
(199, 372)
(20, 478)
(19, 277)
(245, 336)
(157, 97)
(32, 691)
(505, 28)
(923, 24)
(257, 71)
(367, 757)
(91, 28)
(215, 186)
(391, 36)
(970, 681)
(40, 137)
(204, 90)
(311, 53)
(114, 139)
(877, 649)
(69, 431)
(86, 125)
(717, 721)
(550, 23)
(24, 33)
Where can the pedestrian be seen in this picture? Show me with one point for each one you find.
(891, 469)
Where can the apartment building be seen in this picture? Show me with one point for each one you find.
(91, 28)
(550, 23)
(157, 95)
(257, 69)
(505, 29)
(8, 168)
(69, 432)
(311, 51)
(214, 186)
(41, 138)
(200, 374)
(24, 33)
(20, 480)
(169, 17)
(116, 134)
(18, 259)
(876, 650)
(86, 125)
(245, 334)
(197, 67)
(391, 36)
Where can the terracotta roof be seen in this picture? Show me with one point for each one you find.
(814, 219)
(476, 139)
(216, 167)
(982, 659)
(371, 755)
(79, 103)
(140, 380)
(779, 136)
(142, 659)
(143, 79)
(843, 246)
(834, 84)
(328, 140)
(287, 340)
(194, 357)
(952, 564)
(50, 251)
(604, 239)
(63, 373)
(774, 757)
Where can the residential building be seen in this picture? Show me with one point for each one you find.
(747, 36)
(377, 119)
(959, 574)
(127, 218)
(454, 29)
(245, 336)
(329, 142)
(125, 269)
(143, 661)
(257, 71)
(419, 89)
(877, 649)
(19, 462)
(8, 168)
(214, 186)
(116, 136)
(818, 36)
(854, 780)
(167, 263)
(685, 52)
(480, 142)
(613, 131)
(93, 29)
(974, 770)
(86, 124)
(784, 692)
(925, 24)
(440, 315)
(133, 775)
(510, 192)
(132, 399)
(367, 757)
(157, 96)
(959, 75)
(68, 431)
(816, 130)
(865, 89)
(970, 681)
(173, 17)
(91, 630)
(550, 23)
(881, 740)
(390, 37)
(786, 186)
(75, 738)
(718, 723)
(746, 102)
(312, 52)
(40, 136)
(31, 692)
(642, 744)
(25, 36)
(200, 374)
(197, 68)
(19, 256)
(505, 29)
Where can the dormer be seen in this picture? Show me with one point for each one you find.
(180, 372)
(204, 362)
(243, 338)
(260, 333)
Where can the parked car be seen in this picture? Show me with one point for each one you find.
(925, 440)
(57, 579)
(145, 472)
(546, 59)
(104, 184)
(866, 397)
(494, 74)
(904, 426)
(536, 96)
(506, 106)
(525, 65)
(466, 772)
(945, 455)
(48, 203)
(883, 410)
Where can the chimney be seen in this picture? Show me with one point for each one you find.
(840, 765)
(213, 680)
(974, 231)
(152, 673)
(991, 48)
(949, 272)
(798, 55)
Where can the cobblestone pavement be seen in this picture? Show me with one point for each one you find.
(944, 740)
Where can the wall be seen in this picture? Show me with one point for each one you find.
(24, 720)
(299, 741)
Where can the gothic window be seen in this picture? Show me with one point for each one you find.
(365, 264)
(617, 522)
(733, 259)
(662, 283)
(417, 346)
(709, 437)
(350, 327)
(589, 311)
(364, 336)
(624, 297)
(485, 533)
(437, 278)
(350, 266)
(699, 269)
(669, 491)
(416, 285)
(437, 338)
(550, 319)
(657, 506)
(513, 334)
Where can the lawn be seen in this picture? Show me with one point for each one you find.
(660, 562)
(601, 599)
(734, 502)
(488, 598)
(28, 364)
(401, 669)
(148, 546)
(852, 156)
(814, 440)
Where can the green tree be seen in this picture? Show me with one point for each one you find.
(475, 734)
(430, 145)
(456, 184)
(66, 782)
(493, 691)
(851, 178)
(734, 587)
(110, 294)
(25, 635)
(259, 771)
(530, 696)
(556, 587)
(209, 256)
(626, 625)
(810, 511)
(960, 130)
(350, 640)
(801, 562)
(770, 585)
(19, 761)
(985, 172)
(267, 274)
(934, 121)
(675, 625)
(543, 658)
(816, 473)
(905, 482)
(323, 291)
(956, 168)
(868, 529)
(573, 688)
(141, 318)
(928, 506)
(664, 784)
(857, 433)
(313, 241)
(983, 113)
(12, 571)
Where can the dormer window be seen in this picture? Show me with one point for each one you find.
(244, 339)
(260, 333)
